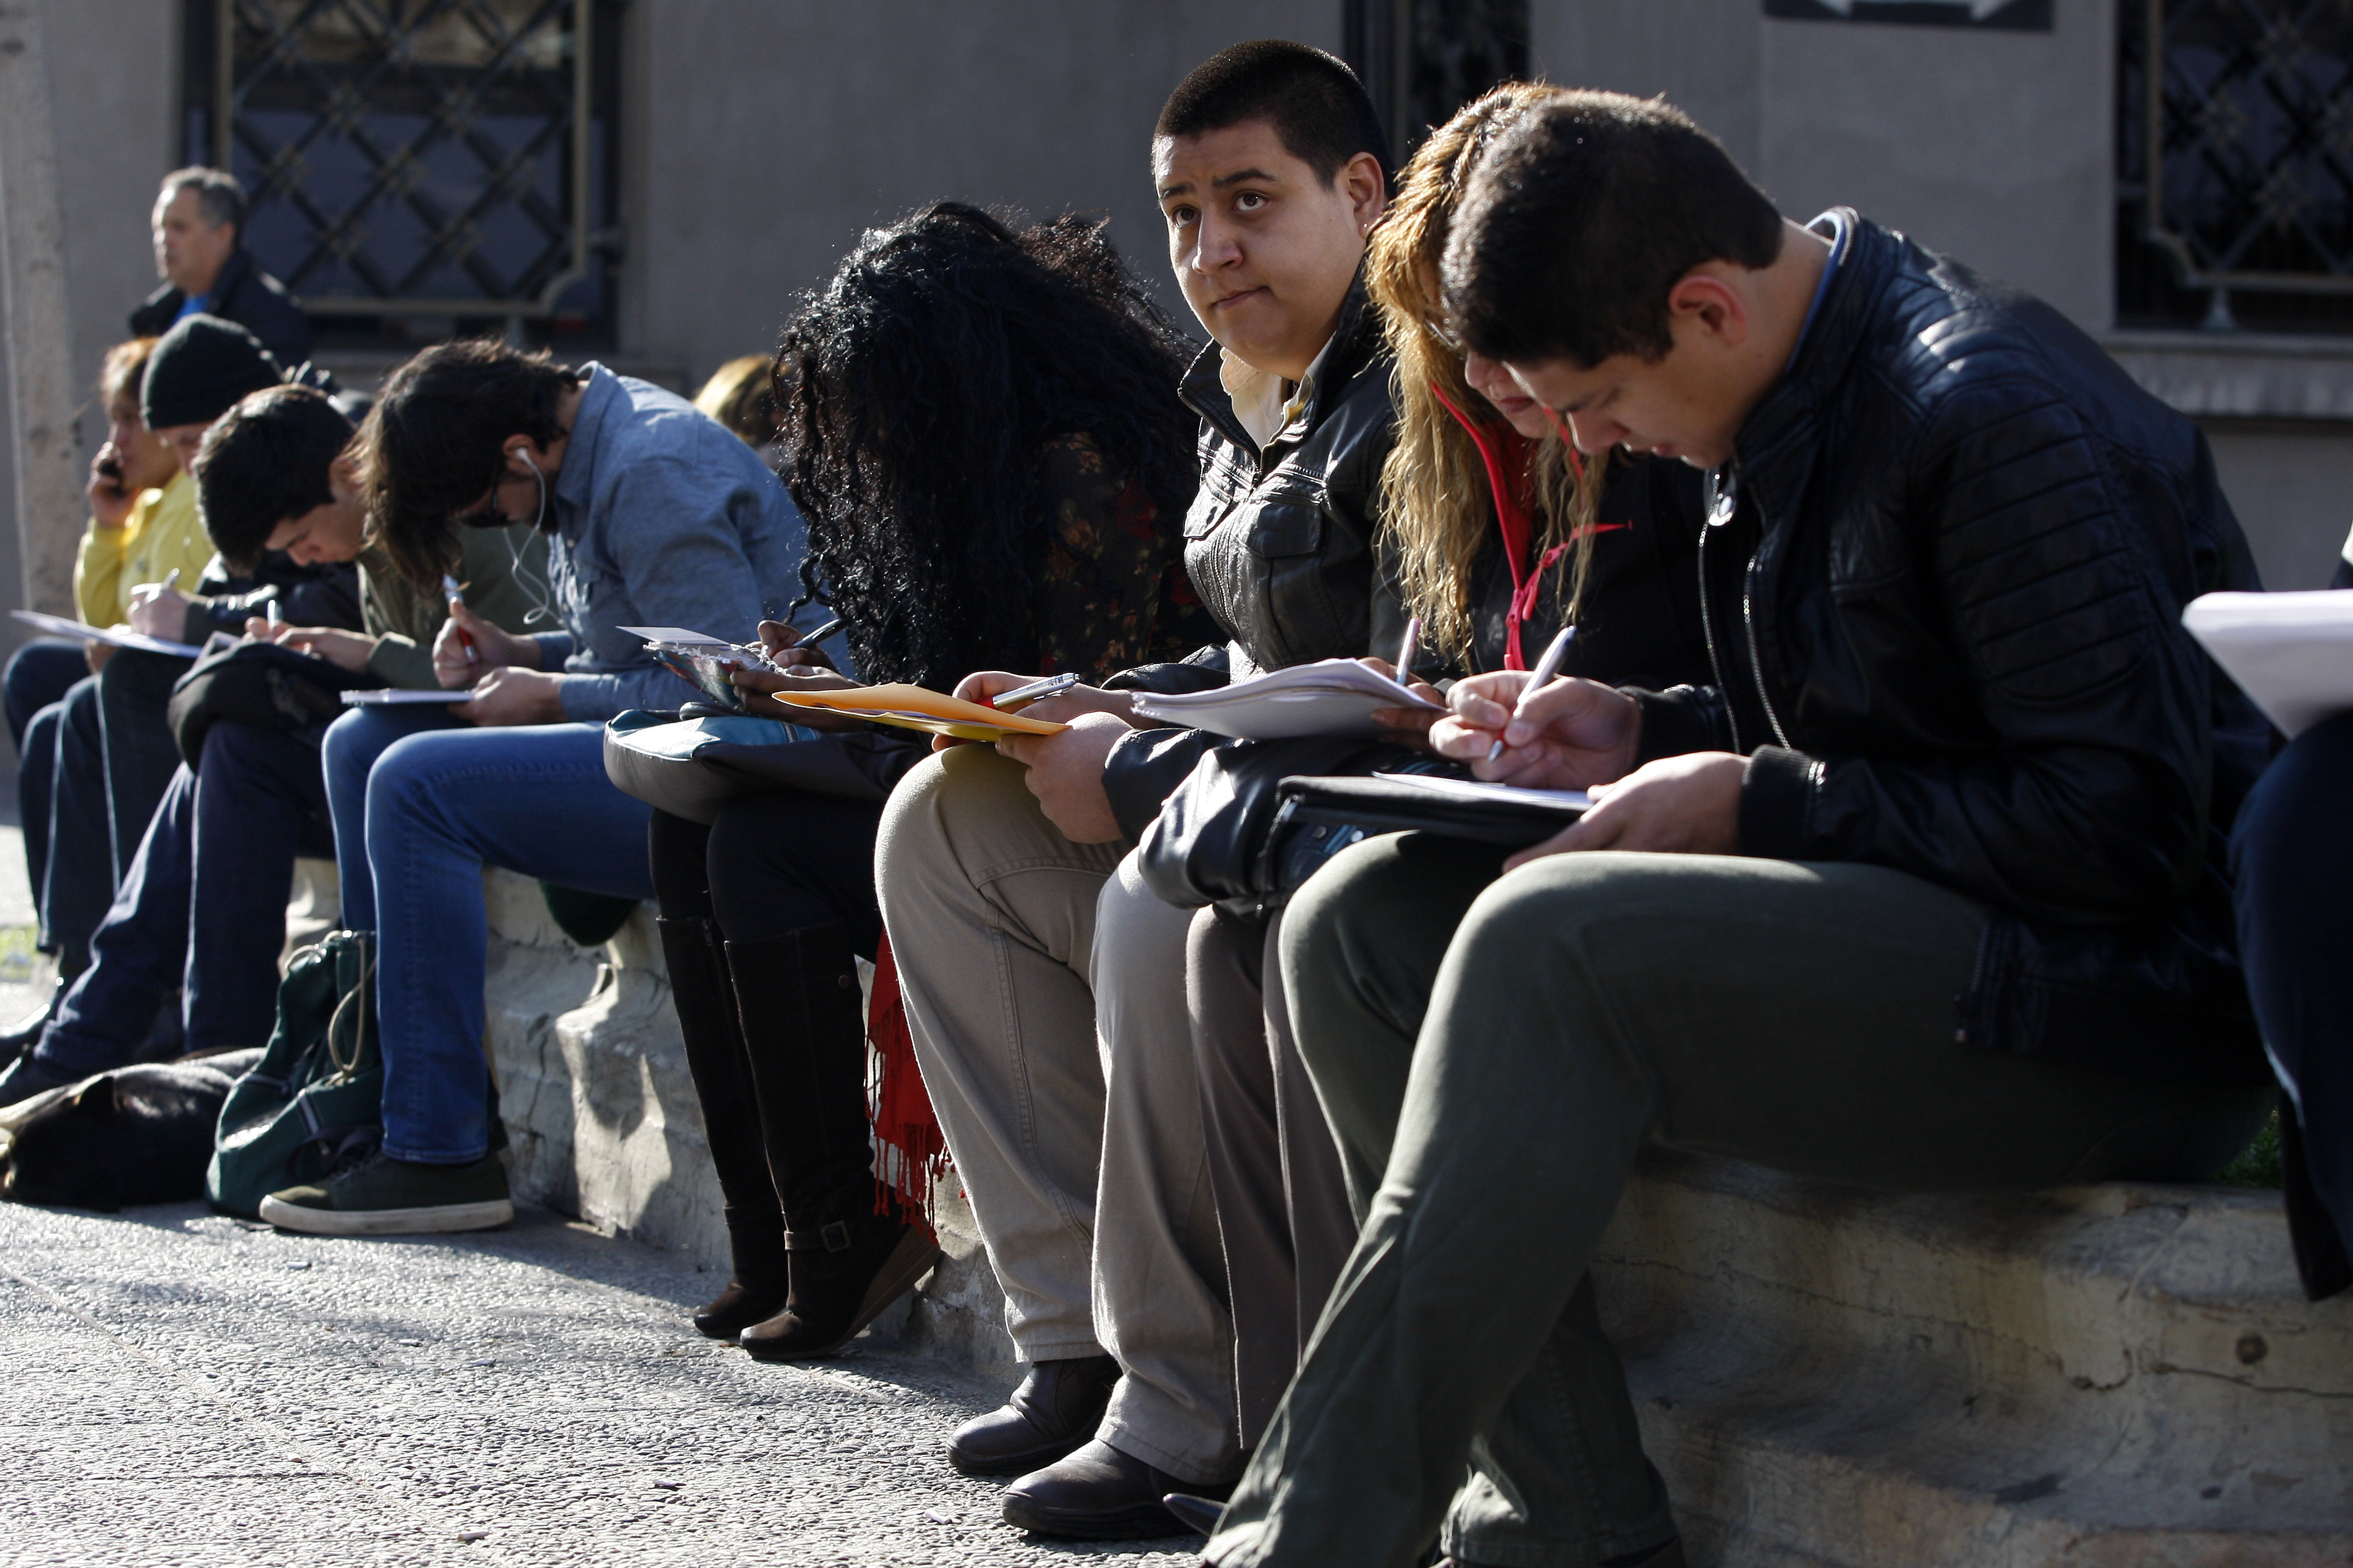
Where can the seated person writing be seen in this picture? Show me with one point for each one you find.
(115, 752)
(1501, 535)
(204, 905)
(1066, 1086)
(654, 516)
(1920, 891)
(1043, 536)
(134, 475)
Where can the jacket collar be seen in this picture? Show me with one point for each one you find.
(576, 480)
(1355, 342)
(1774, 449)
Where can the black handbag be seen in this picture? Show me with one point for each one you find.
(1211, 843)
(257, 683)
(691, 767)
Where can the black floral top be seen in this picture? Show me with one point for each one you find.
(1111, 590)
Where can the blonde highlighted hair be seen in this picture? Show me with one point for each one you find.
(1439, 509)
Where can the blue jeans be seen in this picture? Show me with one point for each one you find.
(202, 906)
(443, 800)
(39, 675)
(2291, 864)
(77, 869)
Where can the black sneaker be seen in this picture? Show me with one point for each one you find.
(384, 1196)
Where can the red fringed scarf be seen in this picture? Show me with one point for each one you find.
(913, 1154)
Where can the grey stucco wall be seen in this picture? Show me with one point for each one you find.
(1996, 147)
(770, 135)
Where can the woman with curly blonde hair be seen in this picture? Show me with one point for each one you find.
(1501, 531)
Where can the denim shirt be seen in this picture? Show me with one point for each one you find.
(662, 518)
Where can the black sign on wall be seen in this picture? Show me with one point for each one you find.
(2005, 15)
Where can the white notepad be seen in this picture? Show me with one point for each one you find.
(1331, 697)
(58, 626)
(2293, 653)
(396, 696)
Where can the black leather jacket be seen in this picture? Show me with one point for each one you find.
(1278, 543)
(1944, 584)
(242, 293)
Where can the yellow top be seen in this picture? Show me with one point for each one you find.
(162, 531)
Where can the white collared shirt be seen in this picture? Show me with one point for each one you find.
(1264, 402)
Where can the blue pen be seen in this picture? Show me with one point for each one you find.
(1546, 668)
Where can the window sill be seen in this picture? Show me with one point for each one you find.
(2241, 375)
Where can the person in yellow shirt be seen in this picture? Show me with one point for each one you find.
(128, 479)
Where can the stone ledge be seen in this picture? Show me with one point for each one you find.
(2109, 1376)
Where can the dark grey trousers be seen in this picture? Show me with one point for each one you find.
(1283, 1205)
(1493, 1053)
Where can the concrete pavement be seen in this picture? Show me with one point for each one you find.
(183, 1388)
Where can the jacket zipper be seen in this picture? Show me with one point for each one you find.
(1720, 502)
(1748, 623)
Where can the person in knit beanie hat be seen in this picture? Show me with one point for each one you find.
(197, 372)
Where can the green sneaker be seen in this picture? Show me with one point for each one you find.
(384, 1196)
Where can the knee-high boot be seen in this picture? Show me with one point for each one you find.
(705, 1000)
(797, 1000)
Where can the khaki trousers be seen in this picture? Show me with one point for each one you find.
(1045, 990)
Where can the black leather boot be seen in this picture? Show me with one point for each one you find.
(705, 1000)
(797, 1000)
(1056, 1407)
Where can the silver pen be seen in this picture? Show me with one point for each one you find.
(1022, 696)
(1407, 649)
(1546, 668)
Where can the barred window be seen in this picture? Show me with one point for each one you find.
(2235, 165)
(1423, 59)
(417, 168)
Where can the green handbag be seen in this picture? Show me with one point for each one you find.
(315, 1097)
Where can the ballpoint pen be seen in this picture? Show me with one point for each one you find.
(171, 579)
(1546, 668)
(1022, 696)
(454, 593)
(1407, 649)
(810, 640)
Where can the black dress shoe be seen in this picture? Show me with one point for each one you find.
(1099, 1494)
(1197, 1514)
(26, 1033)
(1056, 1407)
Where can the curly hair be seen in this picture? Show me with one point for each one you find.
(917, 392)
(1438, 510)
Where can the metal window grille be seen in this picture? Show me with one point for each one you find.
(1423, 59)
(2235, 163)
(449, 162)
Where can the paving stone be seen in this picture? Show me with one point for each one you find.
(176, 1393)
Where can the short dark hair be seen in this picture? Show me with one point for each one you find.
(430, 447)
(1319, 109)
(1580, 219)
(264, 463)
(218, 195)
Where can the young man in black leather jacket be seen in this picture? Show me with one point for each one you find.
(1045, 983)
(1923, 892)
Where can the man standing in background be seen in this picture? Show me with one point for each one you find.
(200, 255)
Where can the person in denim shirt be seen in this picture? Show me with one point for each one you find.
(656, 516)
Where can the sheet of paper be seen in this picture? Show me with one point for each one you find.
(394, 697)
(58, 626)
(1564, 800)
(2293, 653)
(1331, 697)
(678, 635)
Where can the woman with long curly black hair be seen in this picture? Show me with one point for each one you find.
(982, 430)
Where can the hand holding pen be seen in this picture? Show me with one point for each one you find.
(451, 592)
(1546, 668)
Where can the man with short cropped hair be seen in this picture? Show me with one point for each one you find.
(199, 228)
(1044, 982)
(1925, 892)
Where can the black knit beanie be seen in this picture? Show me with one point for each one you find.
(200, 370)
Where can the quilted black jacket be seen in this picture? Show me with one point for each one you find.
(1943, 584)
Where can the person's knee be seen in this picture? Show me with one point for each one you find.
(2293, 811)
(945, 801)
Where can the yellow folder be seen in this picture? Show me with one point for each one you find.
(913, 707)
